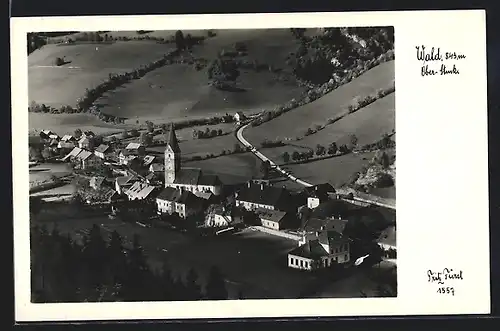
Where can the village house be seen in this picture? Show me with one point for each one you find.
(189, 179)
(318, 194)
(179, 201)
(314, 226)
(254, 196)
(148, 160)
(139, 191)
(68, 138)
(85, 142)
(66, 145)
(102, 150)
(330, 248)
(82, 158)
(127, 157)
(222, 217)
(136, 149)
(273, 219)
(124, 183)
(72, 155)
(48, 135)
(239, 116)
(156, 168)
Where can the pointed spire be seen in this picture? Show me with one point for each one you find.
(172, 139)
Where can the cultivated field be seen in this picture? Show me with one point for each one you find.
(295, 122)
(368, 124)
(335, 170)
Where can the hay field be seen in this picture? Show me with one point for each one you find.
(368, 124)
(295, 122)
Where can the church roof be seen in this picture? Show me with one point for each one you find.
(194, 176)
(172, 139)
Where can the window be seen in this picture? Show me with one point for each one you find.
(346, 258)
(301, 263)
(291, 261)
(307, 264)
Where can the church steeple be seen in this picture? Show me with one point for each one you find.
(172, 156)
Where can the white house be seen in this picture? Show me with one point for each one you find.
(139, 191)
(124, 183)
(239, 116)
(330, 248)
(85, 142)
(273, 219)
(254, 196)
(179, 201)
(220, 217)
(101, 151)
(136, 148)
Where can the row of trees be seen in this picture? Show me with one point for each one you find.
(200, 134)
(320, 150)
(99, 269)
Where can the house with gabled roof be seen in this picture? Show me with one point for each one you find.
(136, 149)
(102, 150)
(327, 249)
(140, 191)
(148, 160)
(124, 183)
(273, 219)
(72, 155)
(254, 196)
(96, 182)
(68, 138)
(179, 201)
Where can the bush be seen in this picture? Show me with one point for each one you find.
(59, 61)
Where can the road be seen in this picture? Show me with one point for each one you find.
(241, 139)
(239, 136)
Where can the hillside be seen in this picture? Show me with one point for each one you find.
(296, 122)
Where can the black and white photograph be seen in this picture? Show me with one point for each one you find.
(215, 164)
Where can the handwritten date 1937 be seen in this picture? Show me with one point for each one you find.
(446, 290)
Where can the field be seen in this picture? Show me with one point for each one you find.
(295, 122)
(335, 170)
(368, 124)
(170, 93)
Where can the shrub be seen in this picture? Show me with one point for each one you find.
(59, 61)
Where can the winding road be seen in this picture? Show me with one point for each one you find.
(253, 149)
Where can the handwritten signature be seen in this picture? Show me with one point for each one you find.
(444, 275)
(434, 54)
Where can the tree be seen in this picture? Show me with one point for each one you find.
(134, 133)
(164, 128)
(286, 157)
(295, 156)
(146, 139)
(179, 40)
(320, 150)
(46, 153)
(332, 149)
(216, 287)
(265, 168)
(78, 133)
(385, 160)
(124, 134)
(354, 140)
(237, 148)
(219, 132)
(150, 126)
(195, 134)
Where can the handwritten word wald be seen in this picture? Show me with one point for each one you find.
(443, 277)
(434, 54)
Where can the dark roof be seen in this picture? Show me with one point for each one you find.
(262, 194)
(270, 215)
(172, 139)
(102, 148)
(180, 196)
(317, 224)
(331, 238)
(124, 180)
(311, 250)
(194, 176)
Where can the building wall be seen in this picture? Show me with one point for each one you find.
(298, 262)
(270, 224)
(196, 188)
(312, 203)
(252, 206)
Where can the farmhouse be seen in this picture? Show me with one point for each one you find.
(68, 138)
(136, 149)
(314, 226)
(102, 150)
(65, 145)
(179, 201)
(139, 191)
(273, 219)
(221, 217)
(72, 155)
(48, 134)
(85, 142)
(86, 159)
(318, 194)
(190, 179)
(239, 116)
(126, 157)
(124, 183)
(255, 196)
(330, 248)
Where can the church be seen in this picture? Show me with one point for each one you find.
(189, 179)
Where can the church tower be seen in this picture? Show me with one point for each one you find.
(172, 156)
